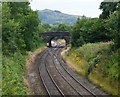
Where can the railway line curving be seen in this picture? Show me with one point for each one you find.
(57, 79)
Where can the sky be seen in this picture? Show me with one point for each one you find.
(89, 8)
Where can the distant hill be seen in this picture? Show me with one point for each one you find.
(55, 17)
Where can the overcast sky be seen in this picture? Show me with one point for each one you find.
(89, 8)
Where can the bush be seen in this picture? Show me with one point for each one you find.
(12, 81)
(100, 54)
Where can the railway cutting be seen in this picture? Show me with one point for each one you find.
(56, 78)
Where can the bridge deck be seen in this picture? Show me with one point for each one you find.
(55, 34)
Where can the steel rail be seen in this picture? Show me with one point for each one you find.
(72, 75)
(42, 78)
(54, 81)
(66, 79)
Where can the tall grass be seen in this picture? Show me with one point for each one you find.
(100, 64)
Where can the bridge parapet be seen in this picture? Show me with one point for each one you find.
(55, 34)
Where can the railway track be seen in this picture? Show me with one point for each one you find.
(50, 85)
(61, 82)
(80, 88)
(50, 65)
(48, 82)
(82, 81)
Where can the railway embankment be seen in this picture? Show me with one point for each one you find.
(97, 63)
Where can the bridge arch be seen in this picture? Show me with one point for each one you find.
(52, 38)
(51, 35)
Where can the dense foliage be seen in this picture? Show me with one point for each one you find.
(20, 34)
(107, 8)
(106, 28)
(90, 30)
(12, 75)
(20, 28)
(113, 26)
(98, 63)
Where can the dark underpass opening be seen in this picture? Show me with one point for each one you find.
(57, 43)
(56, 39)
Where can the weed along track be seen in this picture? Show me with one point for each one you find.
(59, 79)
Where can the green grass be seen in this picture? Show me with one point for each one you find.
(77, 63)
(110, 86)
(98, 63)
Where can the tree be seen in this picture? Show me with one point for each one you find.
(20, 27)
(9, 30)
(89, 30)
(97, 31)
(107, 8)
(46, 27)
(113, 26)
(76, 34)
(62, 27)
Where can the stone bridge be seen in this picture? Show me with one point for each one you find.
(51, 35)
